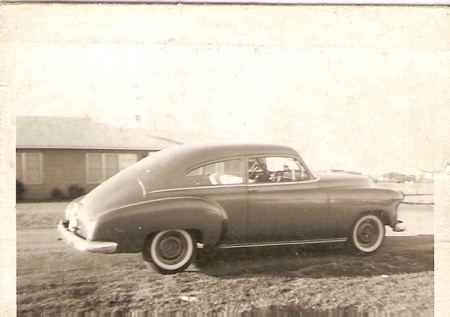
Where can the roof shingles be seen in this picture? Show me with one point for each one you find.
(83, 133)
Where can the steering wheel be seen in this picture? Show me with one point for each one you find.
(253, 171)
(278, 176)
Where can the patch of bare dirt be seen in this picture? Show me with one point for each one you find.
(55, 278)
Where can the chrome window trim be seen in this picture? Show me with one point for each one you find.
(286, 183)
(243, 185)
(203, 164)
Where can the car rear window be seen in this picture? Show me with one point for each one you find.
(218, 173)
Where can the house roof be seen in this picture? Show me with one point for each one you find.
(82, 133)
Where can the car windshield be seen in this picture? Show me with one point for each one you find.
(276, 169)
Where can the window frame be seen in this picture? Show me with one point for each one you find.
(201, 166)
(302, 165)
(104, 174)
(23, 168)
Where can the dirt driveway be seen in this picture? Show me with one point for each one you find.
(55, 278)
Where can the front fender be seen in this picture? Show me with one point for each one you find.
(130, 225)
(352, 201)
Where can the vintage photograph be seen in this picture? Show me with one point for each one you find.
(226, 159)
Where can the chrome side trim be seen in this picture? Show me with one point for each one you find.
(195, 188)
(281, 243)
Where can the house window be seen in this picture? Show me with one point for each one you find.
(29, 168)
(102, 166)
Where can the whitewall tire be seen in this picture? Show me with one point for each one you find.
(367, 234)
(170, 251)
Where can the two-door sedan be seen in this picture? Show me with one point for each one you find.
(213, 196)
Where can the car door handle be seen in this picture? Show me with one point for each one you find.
(253, 190)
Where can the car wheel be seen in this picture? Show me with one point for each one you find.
(367, 234)
(170, 251)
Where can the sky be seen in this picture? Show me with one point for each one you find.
(372, 141)
(368, 97)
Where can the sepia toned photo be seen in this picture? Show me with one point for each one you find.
(224, 159)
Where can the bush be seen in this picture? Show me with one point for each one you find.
(57, 194)
(75, 191)
(20, 190)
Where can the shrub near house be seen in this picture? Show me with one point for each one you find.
(20, 190)
(75, 191)
(57, 194)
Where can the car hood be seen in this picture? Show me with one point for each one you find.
(344, 180)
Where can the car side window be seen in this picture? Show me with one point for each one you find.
(219, 173)
(276, 169)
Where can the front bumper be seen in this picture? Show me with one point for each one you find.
(84, 245)
(399, 227)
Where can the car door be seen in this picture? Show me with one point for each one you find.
(285, 201)
(223, 182)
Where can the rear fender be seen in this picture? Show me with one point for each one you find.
(130, 225)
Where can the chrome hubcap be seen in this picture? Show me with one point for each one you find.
(171, 248)
(368, 233)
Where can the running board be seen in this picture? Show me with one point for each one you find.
(280, 243)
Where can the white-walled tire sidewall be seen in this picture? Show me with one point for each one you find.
(179, 266)
(354, 239)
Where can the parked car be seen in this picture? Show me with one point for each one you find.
(394, 177)
(210, 196)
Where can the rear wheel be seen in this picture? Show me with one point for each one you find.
(170, 251)
(367, 234)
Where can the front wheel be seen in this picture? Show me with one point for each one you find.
(367, 234)
(170, 252)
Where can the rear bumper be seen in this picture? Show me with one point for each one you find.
(84, 245)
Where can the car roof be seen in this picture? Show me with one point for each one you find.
(168, 165)
(193, 153)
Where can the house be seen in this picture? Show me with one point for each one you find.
(53, 153)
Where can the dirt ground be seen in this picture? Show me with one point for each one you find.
(52, 277)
